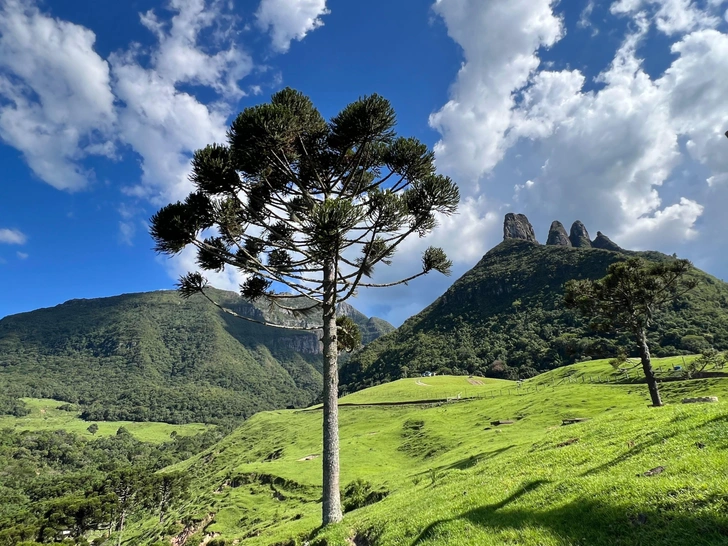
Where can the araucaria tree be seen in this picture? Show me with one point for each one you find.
(628, 298)
(298, 202)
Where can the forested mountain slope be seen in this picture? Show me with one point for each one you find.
(155, 356)
(505, 318)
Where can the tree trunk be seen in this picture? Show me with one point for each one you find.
(331, 497)
(647, 368)
(121, 527)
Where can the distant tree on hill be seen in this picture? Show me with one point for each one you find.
(93, 428)
(628, 298)
(312, 205)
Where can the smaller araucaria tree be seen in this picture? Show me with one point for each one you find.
(628, 298)
(295, 201)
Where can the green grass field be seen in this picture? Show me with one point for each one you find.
(45, 415)
(426, 388)
(454, 478)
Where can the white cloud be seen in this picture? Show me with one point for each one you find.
(22, 255)
(163, 124)
(179, 58)
(672, 16)
(289, 20)
(186, 261)
(584, 21)
(57, 103)
(500, 40)
(12, 236)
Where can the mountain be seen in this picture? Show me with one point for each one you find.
(505, 318)
(371, 327)
(155, 356)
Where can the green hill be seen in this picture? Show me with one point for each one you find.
(508, 308)
(446, 474)
(156, 357)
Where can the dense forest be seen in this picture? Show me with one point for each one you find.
(157, 357)
(505, 318)
(56, 485)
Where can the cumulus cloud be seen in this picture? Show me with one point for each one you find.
(57, 102)
(500, 40)
(608, 156)
(672, 16)
(160, 121)
(289, 20)
(12, 236)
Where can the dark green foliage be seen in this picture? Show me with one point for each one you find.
(55, 484)
(12, 406)
(629, 298)
(360, 493)
(509, 308)
(156, 357)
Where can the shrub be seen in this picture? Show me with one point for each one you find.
(360, 493)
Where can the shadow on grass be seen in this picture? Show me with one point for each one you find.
(642, 446)
(468, 462)
(587, 522)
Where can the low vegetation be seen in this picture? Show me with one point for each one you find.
(498, 469)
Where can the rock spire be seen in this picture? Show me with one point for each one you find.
(517, 226)
(557, 235)
(579, 236)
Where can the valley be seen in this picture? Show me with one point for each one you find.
(444, 473)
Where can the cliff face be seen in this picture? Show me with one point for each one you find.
(517, 226)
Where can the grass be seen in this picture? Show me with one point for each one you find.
(426, 388)
(45, 415)
(454, 478)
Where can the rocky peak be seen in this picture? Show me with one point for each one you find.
(517, 226)
(557, 235)
(579, 236)
(605, 243)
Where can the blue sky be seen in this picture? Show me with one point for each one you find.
(610, 112)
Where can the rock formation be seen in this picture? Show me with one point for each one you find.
(579, 236)
(557, 235)
(605, 243)
(517, 226)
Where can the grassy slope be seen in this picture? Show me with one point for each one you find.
(458, 480)
(45, 415)
(427, 388)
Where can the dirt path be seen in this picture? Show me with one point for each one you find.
(421, 384)
(475, 381)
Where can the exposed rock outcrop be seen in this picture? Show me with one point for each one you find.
(579, 236)
(557, 235)
(517, 226)
(605, 243)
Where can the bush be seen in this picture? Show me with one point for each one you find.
(694, 344)
(360, 493)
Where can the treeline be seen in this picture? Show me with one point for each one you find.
(58, 486)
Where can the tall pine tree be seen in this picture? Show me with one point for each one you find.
(314, 206)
